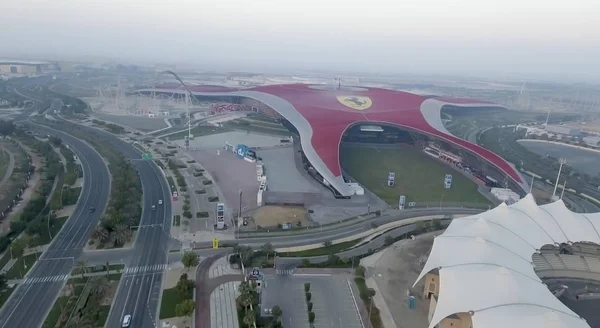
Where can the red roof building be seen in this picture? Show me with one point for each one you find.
(321, 114)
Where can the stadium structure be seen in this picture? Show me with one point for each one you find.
(491, 270)
(323, 116)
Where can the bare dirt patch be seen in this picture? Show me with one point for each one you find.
(271, 216)
(392, 273)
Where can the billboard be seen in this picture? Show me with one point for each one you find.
(241, 150)
(220, 215)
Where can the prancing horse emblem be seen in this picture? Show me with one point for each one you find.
(355, 102)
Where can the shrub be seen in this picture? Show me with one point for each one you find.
(207, 182)
(309, 305)
(198, 174)
(187, 214)
(201, 214)
(213, 199)
(308, 296)
(201, 191)
(306, 287)
(305, 263)
(311, 317)
(360, 271)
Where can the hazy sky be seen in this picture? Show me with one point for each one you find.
(535, 38)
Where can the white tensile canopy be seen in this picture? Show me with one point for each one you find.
(485, 265)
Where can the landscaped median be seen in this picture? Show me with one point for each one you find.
(177, 302)
(84, 302)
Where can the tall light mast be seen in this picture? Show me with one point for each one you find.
(562, 162)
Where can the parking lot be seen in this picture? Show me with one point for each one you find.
(333, 301)
(230, 174)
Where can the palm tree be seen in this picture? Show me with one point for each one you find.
(120, 234)
(100, 288)
(249, 319)
(267, 249)
(79, 321)
(101, 233)
(83, 268)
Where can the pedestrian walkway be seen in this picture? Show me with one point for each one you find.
(222, 267)
(8, 265)
(223, 311)
(36, 280)
(285, 272)
(146, 269)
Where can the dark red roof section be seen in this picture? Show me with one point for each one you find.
(329, 118)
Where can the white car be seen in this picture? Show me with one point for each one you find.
(160, 202)
(126, 321)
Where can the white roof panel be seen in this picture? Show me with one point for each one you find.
(485, 265)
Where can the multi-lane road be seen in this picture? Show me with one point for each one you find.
(140, 287)
(30, 302)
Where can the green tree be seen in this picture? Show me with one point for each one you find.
(121, 234)
(249, 319)
(267, 249)
(82, 267)
(187, 214)
(185, 287)
(306, 287)
(246, 255)
(3, 283)
(305, 263)
(311, 317)
(189, 259)
(360, 271)
(100, 287)
(185, 308)
(277, 313)
(101, 233)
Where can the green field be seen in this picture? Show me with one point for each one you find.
(22, 266)
(419, 177)
(170, 299)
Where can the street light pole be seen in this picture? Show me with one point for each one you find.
(441, 199)
(561, 161)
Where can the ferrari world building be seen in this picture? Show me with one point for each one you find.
(323, 116)
(484, 271)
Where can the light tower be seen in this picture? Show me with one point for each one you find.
(191, 96)
(562, 162)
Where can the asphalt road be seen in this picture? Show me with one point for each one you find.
(140, 286)
(11, 164)
(30, 302)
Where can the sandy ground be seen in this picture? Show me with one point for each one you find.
(27, 194)
(392, 273)
(270, 216)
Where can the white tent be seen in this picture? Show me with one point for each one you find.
(485, 265)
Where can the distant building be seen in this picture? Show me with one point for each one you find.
(22, 66)
(563, 129)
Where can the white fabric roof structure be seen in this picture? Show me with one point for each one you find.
(485, 265)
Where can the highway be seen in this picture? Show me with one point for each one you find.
(29, 303)
(140, 287)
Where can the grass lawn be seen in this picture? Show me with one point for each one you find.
(333, 249)
(257, 127)
(54, 313)
(102, 315)
(170, 299)
(44, 238)
(18, 269)
(419, 177)
(5, 294)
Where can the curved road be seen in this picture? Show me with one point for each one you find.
(30, 302)
(140, 287)
(11, 165)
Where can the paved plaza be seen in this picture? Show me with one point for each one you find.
(333, 300)
(223, 313)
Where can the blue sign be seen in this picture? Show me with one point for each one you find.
(241, 150)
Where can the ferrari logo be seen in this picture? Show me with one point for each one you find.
(355, 102)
